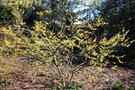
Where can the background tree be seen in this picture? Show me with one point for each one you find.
(119, 14)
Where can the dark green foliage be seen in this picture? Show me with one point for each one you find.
(70, 87)
(2, 84)
(5, 15)
(30, 15)
(41, 74)
(117, 86)
(58, 87)
(132, 88)
(74, 87)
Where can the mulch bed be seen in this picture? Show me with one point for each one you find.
(104, 80)
(101, 80)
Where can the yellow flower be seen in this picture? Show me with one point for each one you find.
(22, 23)
(94, 53)
(114, 67)
(37, 62)
(100, 69)
(91, 27)
(40, 13)
(69, 43)
(48, 11)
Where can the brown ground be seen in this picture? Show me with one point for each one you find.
(100, 80)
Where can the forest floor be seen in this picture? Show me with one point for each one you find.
(100, 80)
